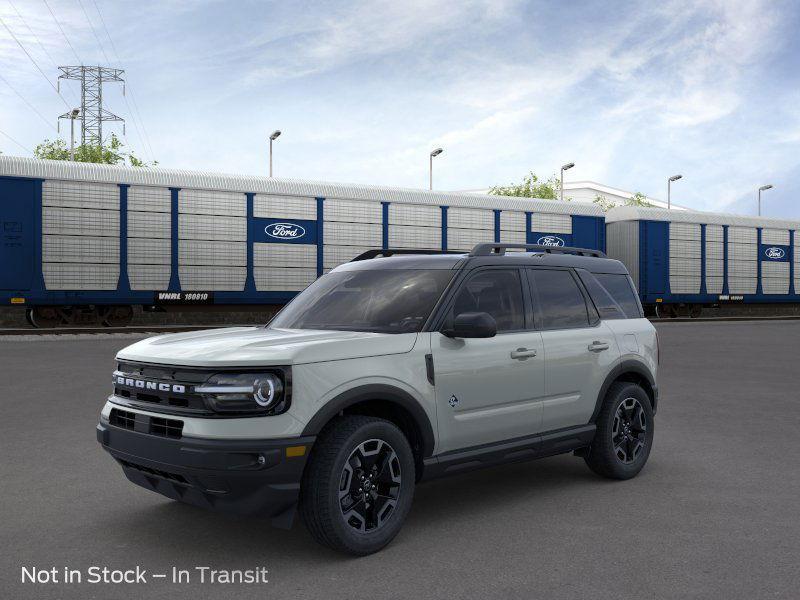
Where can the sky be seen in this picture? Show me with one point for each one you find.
(632, 92)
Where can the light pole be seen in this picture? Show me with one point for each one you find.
(272, 138)
(72, 116)
(669, 189)
(436, 152)
(564, 168)
(761, 189)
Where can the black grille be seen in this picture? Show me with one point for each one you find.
(122, 418)
(157, 472)
(186, 402)
(171, 428)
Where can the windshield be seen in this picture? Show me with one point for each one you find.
(390, 301)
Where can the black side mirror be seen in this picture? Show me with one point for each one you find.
(472, 325)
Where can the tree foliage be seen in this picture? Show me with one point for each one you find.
(531, 187)
(112, 153)
(638, 199)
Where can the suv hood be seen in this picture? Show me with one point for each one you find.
(258, 346)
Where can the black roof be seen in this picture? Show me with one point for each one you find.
(479, 256)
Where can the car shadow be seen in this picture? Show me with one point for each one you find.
(448, 500)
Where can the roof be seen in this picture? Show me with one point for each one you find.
(14, 166)
(636, 213)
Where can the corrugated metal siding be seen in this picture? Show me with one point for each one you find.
(512, 221)
(159, 177)
(284, 207)
(402, 236)
(353, 211)
(353, 234)
(80, 235)
(211, 202)
(333, 256)
(684, 258)
(466, 239)
(715, 259)
(551, 223)
(467, 218)
(513, 237)
(775, 277)
(414, 214)
(210, 278)
(634, 213)
(742, 260)
(285, 255)
(270, 279)
(622, 243)
(149, 231)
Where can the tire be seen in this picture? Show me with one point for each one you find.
(345, 521)
(617, 451)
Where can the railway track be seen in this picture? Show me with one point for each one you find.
(153, 329)
(156, 329)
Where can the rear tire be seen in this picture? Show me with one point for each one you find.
(624, 434)
(353, 454)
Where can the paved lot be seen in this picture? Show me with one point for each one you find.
(713, 515)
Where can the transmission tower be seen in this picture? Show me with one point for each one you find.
(92, 113)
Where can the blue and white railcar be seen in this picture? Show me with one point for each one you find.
(684, 260)
(87, 239)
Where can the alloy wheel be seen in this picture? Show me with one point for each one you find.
(370, 485)
(629, 433)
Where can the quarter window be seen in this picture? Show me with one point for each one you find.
(561, 303)
(496, 292)
(621, 289)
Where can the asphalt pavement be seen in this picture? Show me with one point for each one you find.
(714, 514)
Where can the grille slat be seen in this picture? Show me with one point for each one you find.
(149, 377)
(169, 428)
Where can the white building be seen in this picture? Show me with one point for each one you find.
(587, 191)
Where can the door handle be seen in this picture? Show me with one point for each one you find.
(522, 353)
(598, 346)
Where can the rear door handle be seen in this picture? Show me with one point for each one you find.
(598, 346)
(522, 353)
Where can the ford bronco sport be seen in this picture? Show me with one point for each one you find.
(395, 367)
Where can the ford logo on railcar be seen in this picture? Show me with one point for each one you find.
(285, 231)
(550, 240)
(775, 253)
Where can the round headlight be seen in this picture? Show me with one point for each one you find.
(267, 391)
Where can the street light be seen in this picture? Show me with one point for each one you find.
(272, 138)
(761, 189)
(72, 116)
(436, 152)
(564, 168)
(669, 190)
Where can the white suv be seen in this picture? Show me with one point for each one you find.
(395, 367)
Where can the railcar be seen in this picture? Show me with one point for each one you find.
(86, 242)
(683, 261)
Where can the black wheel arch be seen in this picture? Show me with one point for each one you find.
(634, 372)
(385, 401)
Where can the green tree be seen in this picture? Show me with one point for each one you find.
(638, 199)
(531, 187)
(112, 153)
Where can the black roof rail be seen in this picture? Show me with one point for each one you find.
(369, 254)
(500, 249)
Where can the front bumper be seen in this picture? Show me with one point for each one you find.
(249, 477)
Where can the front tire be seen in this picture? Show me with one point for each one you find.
(358, 486)
(624, 434)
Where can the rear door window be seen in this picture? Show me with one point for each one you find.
(620, 288)
(559, 300)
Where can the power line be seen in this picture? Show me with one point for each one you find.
(66, 39)
(16, 142)
(35, 64)
(31, 106)
(99, 43)
(36, 37)
(136, 116)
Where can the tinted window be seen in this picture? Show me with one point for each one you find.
(621, 289)
(497, 292)
(607, 307)
(560, 301)
(383, 301)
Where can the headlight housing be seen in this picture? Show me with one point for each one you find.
(247, 393)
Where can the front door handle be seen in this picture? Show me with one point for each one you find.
(598, 346)
(522, 353)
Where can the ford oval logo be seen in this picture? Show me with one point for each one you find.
(775, 253)
(285, 231)
(550, 240)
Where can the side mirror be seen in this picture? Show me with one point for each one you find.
(472, 325)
